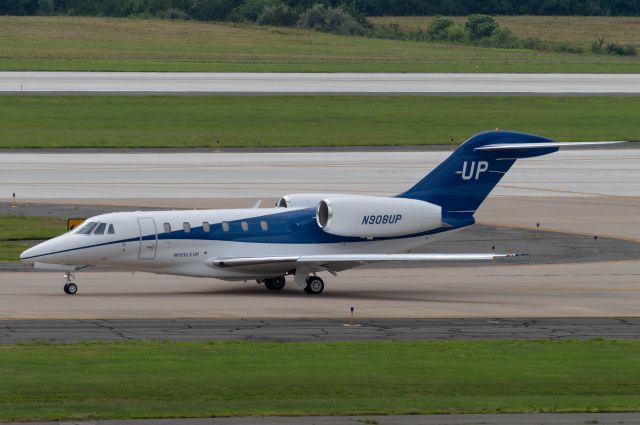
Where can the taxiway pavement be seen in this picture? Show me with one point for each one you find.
(68, 331)
(607, 289)
(318, 83)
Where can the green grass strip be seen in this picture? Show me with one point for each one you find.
(265, 121)
(175, 379)
(14, 228)
(10, 251)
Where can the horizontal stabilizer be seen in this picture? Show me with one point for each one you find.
(513, 146)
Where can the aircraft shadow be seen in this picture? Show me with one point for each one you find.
(426, 295)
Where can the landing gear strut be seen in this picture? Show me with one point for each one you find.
(70, 288)
(315, 285)
(275, 284)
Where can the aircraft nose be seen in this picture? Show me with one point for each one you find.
(24, 257)
(30, 255)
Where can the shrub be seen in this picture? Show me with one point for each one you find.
(598, 45)
(565, 47)
(480, 26)
(438, 30)
(457, 34)
(175, 13)
(335, 20)
(393, 31)
(619, 49)
(250, 10)
(278, 15)
(533, 43)
(505, 38)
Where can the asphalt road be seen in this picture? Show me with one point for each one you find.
(316, 83)
(66, 331)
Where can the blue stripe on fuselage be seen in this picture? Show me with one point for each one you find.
(288, 227)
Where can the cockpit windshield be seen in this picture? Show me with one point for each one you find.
(86, 228)
(100, 229)
(96, 228)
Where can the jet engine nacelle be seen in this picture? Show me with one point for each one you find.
(370, 216)
(304, 200)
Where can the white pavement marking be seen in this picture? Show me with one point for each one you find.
(268, 175)
(355, 83)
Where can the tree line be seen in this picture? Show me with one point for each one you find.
(222, 10)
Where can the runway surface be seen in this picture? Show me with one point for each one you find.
(67, 331)
(317, 83)
(569, 191)
(252, 175)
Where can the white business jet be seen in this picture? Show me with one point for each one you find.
(305, 233)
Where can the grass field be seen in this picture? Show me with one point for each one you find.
(239, 121)
(109, 44)
(14, 229)
(116, 380)
(578, 30)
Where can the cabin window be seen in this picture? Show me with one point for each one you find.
(264, 225)
(100, 229)
(225, 226)
(186, 226)
(245, 226)
(111, 230)
(167, 227)
(85, 229)
(206, 227)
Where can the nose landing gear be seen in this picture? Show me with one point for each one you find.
(70, 288)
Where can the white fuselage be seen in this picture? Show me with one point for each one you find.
(180, 242)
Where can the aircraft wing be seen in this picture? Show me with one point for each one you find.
(336, 262)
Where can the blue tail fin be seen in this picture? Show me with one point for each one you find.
(464, 180)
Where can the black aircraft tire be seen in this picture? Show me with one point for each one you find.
(66, 288)
(72, 288)
(275, 284)
(315, 286)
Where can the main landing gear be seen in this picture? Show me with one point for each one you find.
(275, 283)
(315, 285)
(70, 288)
